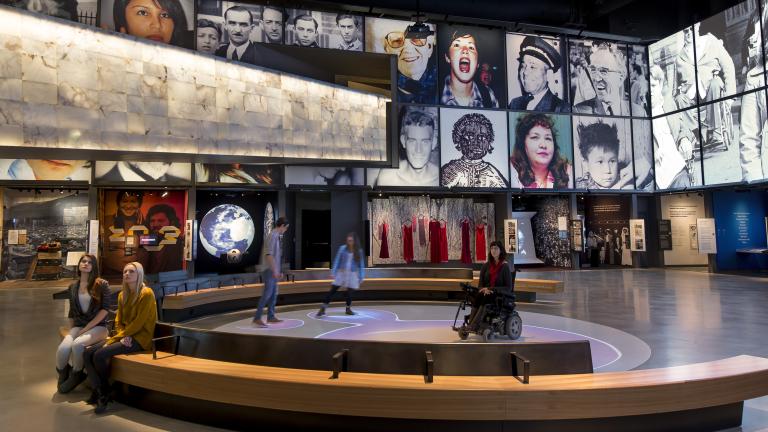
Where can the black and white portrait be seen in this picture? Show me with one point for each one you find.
(599, 83)
(471, 66)
(165, 21)
(536, 76)
(229, 29)
(753, 139)
(419, 151)
(679, 77)
(603, 153)
(474, 148)
(238, 173)
(45, 169)
(676, 149)
(642, 144)
(73, 10)
(315, 29)
(639, 90)
(143, 172)
(332, 176)
(416, 58)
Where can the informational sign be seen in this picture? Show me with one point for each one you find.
(189, 229)
(73, 258)
(22, 236)
(637, 235)
(665, 234)
(577, 236)
(93, 237)
(706, 236)
(13, 237)
(510, 235)
(562, 227)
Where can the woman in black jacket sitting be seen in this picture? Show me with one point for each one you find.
(495, 278)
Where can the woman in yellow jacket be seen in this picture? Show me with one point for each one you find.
(134, 327)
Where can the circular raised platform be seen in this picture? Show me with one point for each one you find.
(425, 322)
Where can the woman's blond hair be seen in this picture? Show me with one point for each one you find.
(125, 291)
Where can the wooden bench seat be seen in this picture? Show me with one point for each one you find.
(553, 397)
(189, 299)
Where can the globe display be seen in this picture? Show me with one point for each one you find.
(226, 227)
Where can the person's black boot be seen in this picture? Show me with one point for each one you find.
(63, 375)
(93, 398)
(74, 380)
(102, 401)
(350, 311)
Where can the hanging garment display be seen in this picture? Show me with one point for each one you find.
(434, 241)
(408, 243)
(466, 254)
(422, 231)
(384, 253)
(480, 242)
(443, 242)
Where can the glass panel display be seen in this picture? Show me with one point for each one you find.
(165, 21)
(676, 149)
(536, 73)
(603, 153)
(419, 151)
(113, 171)
(315, 29)
(416, 58)
(331, 176)
(598, 77)
(541, 151)
(673, 77)
(474, 148)
(471, 67)
(45, 169)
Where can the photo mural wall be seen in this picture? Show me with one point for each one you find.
(231, 229)
(146, 226)
(607, 227)
(407, 229)
(44, 217)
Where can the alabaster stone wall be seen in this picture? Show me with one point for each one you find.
(68, 86)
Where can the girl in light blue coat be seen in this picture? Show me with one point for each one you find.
(348, 271)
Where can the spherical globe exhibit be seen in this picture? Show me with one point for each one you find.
(226, 227)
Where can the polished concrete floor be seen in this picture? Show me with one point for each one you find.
(683, 316)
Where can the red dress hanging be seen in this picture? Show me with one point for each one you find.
(466, 253)
(384, 253)
(480, 242)
(408, 243)
(434, 241)
(443, 242)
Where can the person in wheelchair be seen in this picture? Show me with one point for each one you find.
(496, 281)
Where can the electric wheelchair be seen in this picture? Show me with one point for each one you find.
(499, 316)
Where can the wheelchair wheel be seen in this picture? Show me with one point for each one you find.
(463, 333)
(514, 326)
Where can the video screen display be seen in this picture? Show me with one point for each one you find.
(603, 153)
(536, 73)
(541, 151)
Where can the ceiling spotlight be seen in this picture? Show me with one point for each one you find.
(164, 194)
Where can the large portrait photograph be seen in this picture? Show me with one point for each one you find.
(238, 173)
(44, 169)
(419, 151)
(121, 171)
(603, 153)
(416, 58)
(165, 21)
(146, 226)
(639, 88)
(229, 29)
(314, 29)
(642, 145)
(674, 77)
(541, 151)
(536, 73)
(471, 67)
(599, 78)
(473, 148)
(324, 176)
(676, 148)
(82, 11)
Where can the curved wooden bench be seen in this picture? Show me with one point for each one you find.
(190, 299)
(717, 386)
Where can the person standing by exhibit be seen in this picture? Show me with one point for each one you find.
(90, 302)
(272, 21)
(238, 21)
(460, 87)
(349, 29)
(538, 59)
(752, 141)
(134, 330)
(158, 20)
(473, 136)
(536, 161)
(208, 36)
(305, 27)
(348, 272)
(271, 272)
(418, 139)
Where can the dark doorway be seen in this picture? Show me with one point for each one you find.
(316, 238)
